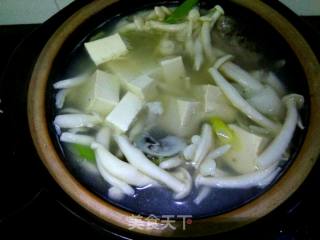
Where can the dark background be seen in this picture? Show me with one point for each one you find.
(31, 204)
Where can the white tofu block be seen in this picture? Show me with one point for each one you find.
(187, 109)
(106, 49)
(123, 115)
(100, 93)
(174, 71)
(181, 117)
(215, 103)
(143, 86)
(212, 95)
(124, 69)
(244, 152)
(128, 69)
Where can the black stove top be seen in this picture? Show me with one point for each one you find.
(32, 205)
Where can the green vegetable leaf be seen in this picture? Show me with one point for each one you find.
(84, 152)
(182, 11)
(223, 132)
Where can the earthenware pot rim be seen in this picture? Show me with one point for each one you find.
(255, 209)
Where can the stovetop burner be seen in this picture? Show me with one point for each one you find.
(32, 203)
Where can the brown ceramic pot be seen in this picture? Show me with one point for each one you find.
(253, 210)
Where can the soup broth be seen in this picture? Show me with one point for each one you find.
(174, 117)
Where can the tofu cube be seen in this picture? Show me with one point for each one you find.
(174, 71)
(186, 110)
(181, 117)
(244, 152)
(215, 103)
(212, 96)
(124, 69)
(106, 49)
(99, 94)
(124, 114)
(143, 86)
(128, 69)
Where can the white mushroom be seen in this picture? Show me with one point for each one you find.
(120, 169)
(60, 97)
(218, 152)
(124, 187)
(280, 143)
(70, 110)
(208, 167)
(206, 40)
(204, 145)
(104, 137)
(222, 60)
(183, 175)
(257, 178)
(198, 54)
(166, 10)
(115, 193)
(188, 152)
(171, 163)
(203, 193)
(77, 120)
(76, 138)
(239, 75)
(190, 46)
(267, 102)
(160, 13)
(138, 21)
(205, 34)
(193, 17)
(141, 162)
(70, 82)
(240, 103)
(269, 178)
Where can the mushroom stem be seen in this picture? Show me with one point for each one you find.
(60, 97)
(240, 76)
(198, 54)
(113, 181)
(115, 193)
(76, 120)
(205, 34)
(120, 169)
(171, 163)
(257, 178)
(104, 136)
(204, 145)
(280, 143)
(203, 193)
(240, 103)
(76, 138)
(220, 61)
(218, 152)
(185, 177)
(206, 41)
(141, 162)
(70, 82)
